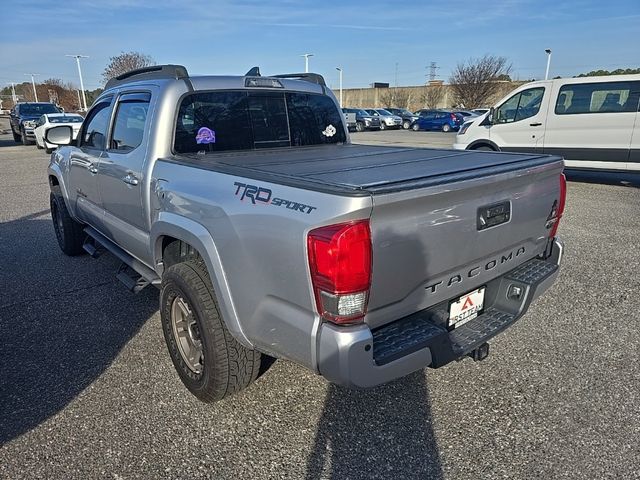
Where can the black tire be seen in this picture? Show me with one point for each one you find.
(383, 126)
(48, 150)
(68, 232)
(415, 127)
(406, 124)
(226, 366)
(446, 128)
(484, 148)
(16, 136)
(359, 127)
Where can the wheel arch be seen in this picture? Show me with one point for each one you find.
(171, 232)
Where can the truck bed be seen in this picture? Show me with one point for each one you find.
(362, 169)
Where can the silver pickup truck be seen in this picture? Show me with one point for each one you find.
(270, 235)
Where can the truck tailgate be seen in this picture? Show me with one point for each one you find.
(430, 246)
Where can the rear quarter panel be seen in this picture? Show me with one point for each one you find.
(262, 280)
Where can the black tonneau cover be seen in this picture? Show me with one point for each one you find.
(362, 169)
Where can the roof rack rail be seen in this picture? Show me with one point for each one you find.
(309, 77)
(149, 73)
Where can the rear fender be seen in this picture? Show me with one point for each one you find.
(196, 235)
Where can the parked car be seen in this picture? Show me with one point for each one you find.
(407, 117)
(467, 116)
(55, 119)
(364, 121)
(299, 245)
(444, 120)
(387, 119)
(23, 118)
(592, 122)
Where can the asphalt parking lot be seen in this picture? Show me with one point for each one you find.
(87, 389)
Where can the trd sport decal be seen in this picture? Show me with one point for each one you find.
(263, 195)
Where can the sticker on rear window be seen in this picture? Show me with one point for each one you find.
(206, 135)
(330, 131)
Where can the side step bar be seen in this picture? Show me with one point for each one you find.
(95, 242)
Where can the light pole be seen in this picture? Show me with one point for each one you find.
(340, 70)
(306, 61)
(548, 52)
(78, 57)
(13, 93)
(33, 84)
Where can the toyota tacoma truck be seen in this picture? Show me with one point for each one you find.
(269, 234)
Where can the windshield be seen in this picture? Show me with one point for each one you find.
(66, 119)
(241, 120)
(364, 113)
(38, 109)
(382, 111)
(404, 111)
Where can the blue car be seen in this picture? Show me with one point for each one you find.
(443, 120)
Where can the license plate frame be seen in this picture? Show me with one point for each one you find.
(465, 308)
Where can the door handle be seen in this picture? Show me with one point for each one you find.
(130, 180)
(537, 124)
(92, 168)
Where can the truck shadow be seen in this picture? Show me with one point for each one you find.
(62, 323)
(385, 432)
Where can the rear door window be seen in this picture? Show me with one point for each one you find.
(130, 120)
(604, 97)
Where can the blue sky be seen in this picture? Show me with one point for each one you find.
(366, 38)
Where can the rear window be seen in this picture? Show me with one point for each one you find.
(605, 97)
(240, 120)
(38, 109)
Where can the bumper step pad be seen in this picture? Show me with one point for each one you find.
(417, 331)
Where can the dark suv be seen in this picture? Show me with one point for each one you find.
(24, 117)
(364, 121)
(407, 117)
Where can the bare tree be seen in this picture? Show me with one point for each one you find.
(476, 81)
(125, 62)
(433, 95)
(395, 98)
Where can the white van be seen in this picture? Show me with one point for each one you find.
(592, 122)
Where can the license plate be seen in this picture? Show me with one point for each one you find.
(466, 308)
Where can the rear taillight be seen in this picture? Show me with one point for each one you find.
(558, 208)
(340, 265)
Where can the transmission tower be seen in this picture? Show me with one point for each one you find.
(433, 66)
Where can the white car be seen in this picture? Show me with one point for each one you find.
(49, 120)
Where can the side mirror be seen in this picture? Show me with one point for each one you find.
(488, 120)
(61, 135)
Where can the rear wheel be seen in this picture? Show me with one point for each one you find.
(406, 124)
(68, 232)
(484, 148)
(415, 127)
(359, 127)
(446, 127)
(383, 126)
(16, 136)
(209, 361)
